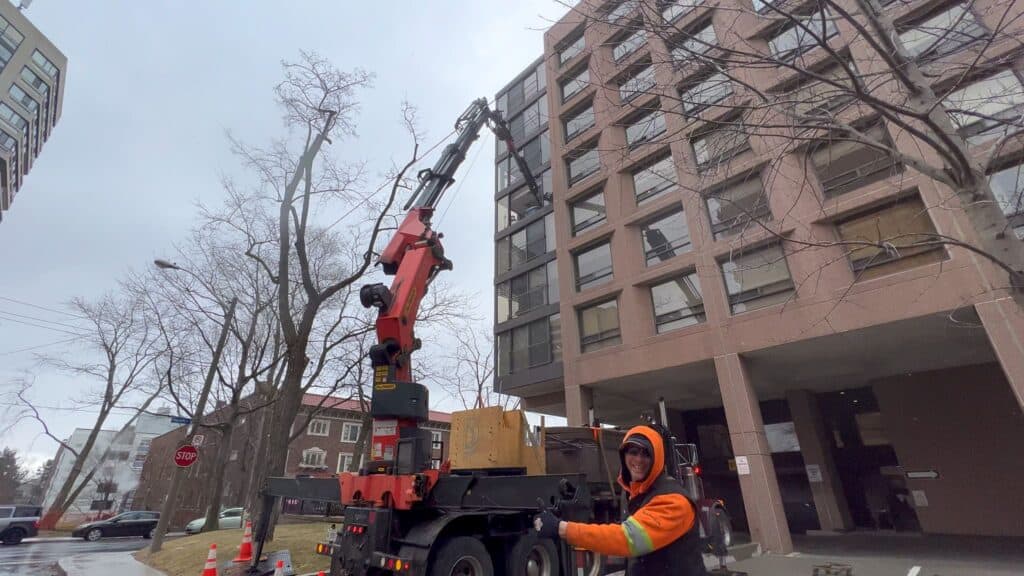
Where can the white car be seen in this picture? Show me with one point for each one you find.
(229, 518)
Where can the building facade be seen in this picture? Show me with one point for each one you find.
(825, 388)
(325, 448)
(32, 74)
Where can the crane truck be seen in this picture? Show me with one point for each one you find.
(400, 515)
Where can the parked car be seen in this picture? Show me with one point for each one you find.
(18, 522)
(229, 518)
(125, 524)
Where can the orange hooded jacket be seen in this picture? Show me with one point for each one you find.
(663, 520)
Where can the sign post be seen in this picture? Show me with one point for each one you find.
(186, 456)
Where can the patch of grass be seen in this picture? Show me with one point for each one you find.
(185, 556)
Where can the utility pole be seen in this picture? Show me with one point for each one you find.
(172, 492)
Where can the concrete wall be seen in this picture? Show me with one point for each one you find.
(966, 424)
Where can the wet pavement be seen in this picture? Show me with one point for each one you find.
(37, 557)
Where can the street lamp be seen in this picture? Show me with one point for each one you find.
(172, 491)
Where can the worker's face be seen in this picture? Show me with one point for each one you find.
(638, 462)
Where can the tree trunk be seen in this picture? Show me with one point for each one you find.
(216, 486)
(361, 453)
(62, 502)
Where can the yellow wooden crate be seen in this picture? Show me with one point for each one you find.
(489, 438)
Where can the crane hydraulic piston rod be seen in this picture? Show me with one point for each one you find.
(415, 256)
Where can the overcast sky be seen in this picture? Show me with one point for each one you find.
(151, 88)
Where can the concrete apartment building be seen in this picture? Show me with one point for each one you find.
(32, 72)
(325, 448)
(823, 393)
(119, 456)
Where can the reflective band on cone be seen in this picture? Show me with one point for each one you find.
(210, 569)
(245, 550)
(279, 569)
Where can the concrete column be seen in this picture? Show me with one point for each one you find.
(578, 402)
(815, 447)
(759, 485)
(1003, 320)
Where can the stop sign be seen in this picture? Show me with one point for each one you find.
(186, 456)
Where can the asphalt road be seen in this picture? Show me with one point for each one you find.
(39, 557)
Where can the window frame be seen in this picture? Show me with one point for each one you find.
(599, 276)
(313, 450)
(344, 461)
(577, 80)
(862, 174)
(649, 168)
(696, 312)
(579, 227)
(326, 426)
(741, 146)
(574, 45)
(604, 338)
(1014, 214)
(722, 229)
(703, 85)
(809, 21)
(744, 297)
(583, 112)
(942, 46)
(629, 45)
(578, 154)
(656, 125)
(346, 427)
(678, 247)
(630, 86)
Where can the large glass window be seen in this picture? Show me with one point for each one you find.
(572, 47)
(655, 179)
(535, 239)
(629, 45)
(524, 347)
(673, 9)
(637, 84)
(645, 128)
(666, 237)
(726, 141)
(532, 118)
(13, 118)
(692, 43)
(575, 83)
(34, 81)
(588, 212)
(21, 97)
(987, 108)
(677, 303)
(579, 122)
(844, 165)
(945, 33)
(536, 152)
(524, 293)
(599, 326)
(10, 39)
(593, 266)
(757, 278)
(813, 97)
(1008, 187)
(583, 163)
(706, 92)
(901, 228)
(516, 96)
(795, 40)
(44, 64)
(619, 11)
(555, 324)
(736, 205)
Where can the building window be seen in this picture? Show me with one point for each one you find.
(524, 347)
(631, 44)
(757, 279)
(10, 39)
(350, 431)
(571, 48)
(945, 33)
(555, 326)
(619, 11)
(436, 439)
(582, 163)
(843, 165)
(21, 97)
(579, 122)
(724, 142)
(536, 239)
(514, 207)
(811, 97)
(516, 96)
(736, 204)
(987, 108)
(637, 84)
(523, 293)
(529, 121)
(671, 10)
(344, 462)
(575, 83)
(901, 227)
(665, 238)
(536, 153)
(13, 118)
(798, 39)
(693, 43)
(706, 92)
(593, 266)
(318, 427)
(34, 81)
(599, 326)
(588, 212)
(313, 458)
(677, 303)
(655, 179)
(645, 128)
(44, 64)
(1008, 187)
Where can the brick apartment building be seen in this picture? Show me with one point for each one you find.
(814, 402)
(324, 449)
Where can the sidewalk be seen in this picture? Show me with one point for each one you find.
(105, 563)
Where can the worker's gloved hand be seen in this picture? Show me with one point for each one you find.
(546, 525)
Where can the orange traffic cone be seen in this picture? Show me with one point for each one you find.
(279, 570)
(211, 562)
(245, 551)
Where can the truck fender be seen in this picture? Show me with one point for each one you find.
(418, 544)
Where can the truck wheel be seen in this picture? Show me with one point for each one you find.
(13, 536)
(532, 556)
(462, 556)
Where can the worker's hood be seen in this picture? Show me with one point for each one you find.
(657, 461)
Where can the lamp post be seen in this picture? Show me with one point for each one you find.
(172, 491)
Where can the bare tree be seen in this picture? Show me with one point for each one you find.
(467, 371)
(782, 107)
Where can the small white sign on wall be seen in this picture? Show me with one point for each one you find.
(920, 499)
(742, 466)
(814, 473)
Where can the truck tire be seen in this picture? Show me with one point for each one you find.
(462, 556)
(532, 556)
(13, 536)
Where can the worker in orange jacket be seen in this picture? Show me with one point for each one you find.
(661, 535)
